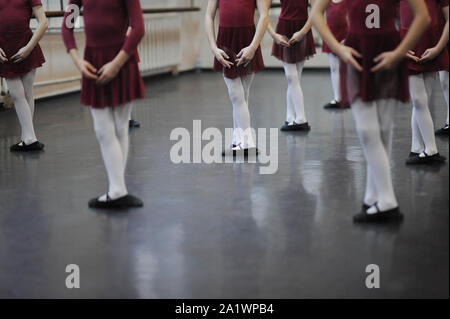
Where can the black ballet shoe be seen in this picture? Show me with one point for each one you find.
(427, 159)
(295, 127)
(134, 124)
(22, 147)
(333, 105)
(365, 207)
(285, 127)
(301, 127)
(127, 201)
(412, 156)
(390, 215)
(228, 152)
(245, 152)
(442, 131)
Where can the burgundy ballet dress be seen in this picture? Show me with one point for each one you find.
(15, 33)
(442, 23)
(236, 32)
(293, 17)
(371, 42)
(337, 22)
(428, 40)
(106, 23)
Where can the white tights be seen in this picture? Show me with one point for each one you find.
(21, 90)
(295, 97)
(423, 138)
(239, 93)
(335, 80)
(443, 75)
(111, 128)
(374, 124)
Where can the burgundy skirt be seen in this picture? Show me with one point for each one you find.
(127, 86)
(300, 51)
(428, 40)
(232, 41)
(367, 85)
(11, 43)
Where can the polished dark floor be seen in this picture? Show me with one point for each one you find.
(221, 230)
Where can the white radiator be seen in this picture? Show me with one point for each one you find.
(161, 47)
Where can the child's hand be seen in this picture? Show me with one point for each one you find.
(21, 55)
(245, 56)
(429, 54)
(87, 69)
(412, 56)
(281, 40)
(348, 54)
(223, 58)
(108, 72)
(386, 61)
(297, 37)
(3, 58)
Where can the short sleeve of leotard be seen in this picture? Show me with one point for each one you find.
(35, 3)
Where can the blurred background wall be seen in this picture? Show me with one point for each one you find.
(175, 42)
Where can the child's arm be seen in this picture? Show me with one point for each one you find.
(86, 69)
(346, 53)
(210, 16)
(24, 52)
(432, 53)
(136, 32)
(388, 60)
(278, 38)
(299, 35)
(247, 54)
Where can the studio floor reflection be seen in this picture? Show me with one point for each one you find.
(217, 230)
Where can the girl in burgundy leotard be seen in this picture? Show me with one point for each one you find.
(444, 75)
(20, 55)
(427, 59)
(374, 79)
(111, 81)
(293, 44)
(338, 24)
(238, 56)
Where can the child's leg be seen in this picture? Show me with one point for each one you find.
(241, 114)
(295, 92)
(370, 133)
(417, 144)
(334, 69)
(23, 109)
(247, 83)
(370, 196)
(122, 115)
(443, 75)
(28, 85)
(386, 109)
(421, 114)
(291, 73)
(105, 130)
(385, 118)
